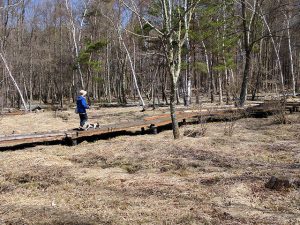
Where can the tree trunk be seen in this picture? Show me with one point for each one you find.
(123, 83)
(108, 49)
(188, 89)
(73, 31)
(276, 49)
(131, 63)
(210, 74)
(291, 55)
(243, 94)
(220, 88)
(13, 80)
(247, 33)
(175, 125)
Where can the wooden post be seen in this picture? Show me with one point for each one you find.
(199, 120)
(153, 129)
(74, 142)
(69, 141)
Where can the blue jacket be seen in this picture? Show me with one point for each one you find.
(81, 104)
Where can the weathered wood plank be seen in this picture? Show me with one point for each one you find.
(138, 125)
(11, 142)
(26, 136)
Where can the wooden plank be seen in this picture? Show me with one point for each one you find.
(11, 142)
(138, 125)
(17, 113)
(32, 136)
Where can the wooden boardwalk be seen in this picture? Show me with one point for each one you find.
(142, 125)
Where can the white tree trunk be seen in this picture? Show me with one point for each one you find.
(108, 49)
(133, 72)
(291, 54)
(276, 49)
(73, 31)
(220, 88)
(188, 58)
(13, 80)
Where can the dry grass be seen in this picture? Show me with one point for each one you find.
(211, 179)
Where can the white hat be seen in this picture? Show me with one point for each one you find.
(82, 92)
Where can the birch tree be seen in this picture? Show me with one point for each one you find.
(172, 31)
(288, 17)
(275, 46)
(3, 40)
(248, 29)
(76, 33)
(120, 32)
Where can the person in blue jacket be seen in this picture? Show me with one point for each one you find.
(81, 108)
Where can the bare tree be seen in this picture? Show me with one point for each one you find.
(249, 41)
(173, 34)
(288, 17)
(76, 33)
(2, 48)
(13, 79)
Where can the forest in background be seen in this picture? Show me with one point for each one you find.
(116, 50)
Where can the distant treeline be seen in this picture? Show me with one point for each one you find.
(121, 50)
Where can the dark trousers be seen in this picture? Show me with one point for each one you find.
(83, 118)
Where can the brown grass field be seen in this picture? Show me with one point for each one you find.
(152, 179)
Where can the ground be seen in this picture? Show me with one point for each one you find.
(211, 178)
